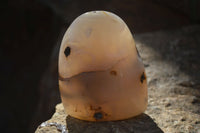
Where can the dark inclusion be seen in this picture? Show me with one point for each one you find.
(98, 115)
(142, 78)
(67, 51)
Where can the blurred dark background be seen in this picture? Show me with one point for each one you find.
(31, 31)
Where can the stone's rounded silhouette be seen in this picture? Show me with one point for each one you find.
(101, 76)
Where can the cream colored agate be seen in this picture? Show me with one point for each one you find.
(101, 77)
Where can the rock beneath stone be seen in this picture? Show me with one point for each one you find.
(139, 124)
(172, 66)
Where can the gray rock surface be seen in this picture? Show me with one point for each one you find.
(172, 63)
(172, 66)
(140, 124)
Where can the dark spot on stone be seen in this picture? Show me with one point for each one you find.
(98, 115)
(67, 51)
(197, 122)
(114, 73)
(142, 78)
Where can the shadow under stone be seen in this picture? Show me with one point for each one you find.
(139, 124)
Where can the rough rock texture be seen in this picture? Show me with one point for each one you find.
(172, 62)
(139, 124)
(172, 66)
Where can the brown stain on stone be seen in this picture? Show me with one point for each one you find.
(114, 73)
(95, 108)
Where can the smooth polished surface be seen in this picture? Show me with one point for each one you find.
(101, 76)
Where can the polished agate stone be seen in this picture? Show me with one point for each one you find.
(101, 75)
